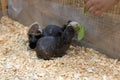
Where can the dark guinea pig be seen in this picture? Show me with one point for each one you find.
(55, 45)
(34, 33)
(46, 45)
(66, 38)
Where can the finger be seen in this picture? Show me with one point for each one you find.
(85, 1)
(98, 13)
(88, 4)
(92, 9)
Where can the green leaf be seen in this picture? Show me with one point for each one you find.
(85, 10)
(81, 33)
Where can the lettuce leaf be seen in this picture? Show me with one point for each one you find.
(81, 32)
(85, 10)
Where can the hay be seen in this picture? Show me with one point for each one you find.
(19, 63)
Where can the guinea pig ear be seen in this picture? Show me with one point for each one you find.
(35, 25)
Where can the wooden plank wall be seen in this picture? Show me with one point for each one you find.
(0, 10)
(3, 7)
(102, 33)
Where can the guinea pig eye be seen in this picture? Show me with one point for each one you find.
(30, 35)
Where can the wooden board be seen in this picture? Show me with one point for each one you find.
(4, 4)
(102, 33)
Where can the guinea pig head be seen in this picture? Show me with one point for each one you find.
(35, 29)
(34, 33)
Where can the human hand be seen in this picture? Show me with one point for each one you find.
(97, 7)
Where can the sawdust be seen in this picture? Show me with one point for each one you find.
(19, 63)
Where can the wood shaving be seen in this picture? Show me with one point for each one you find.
(19, 63)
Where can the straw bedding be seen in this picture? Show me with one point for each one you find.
(17, 62)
